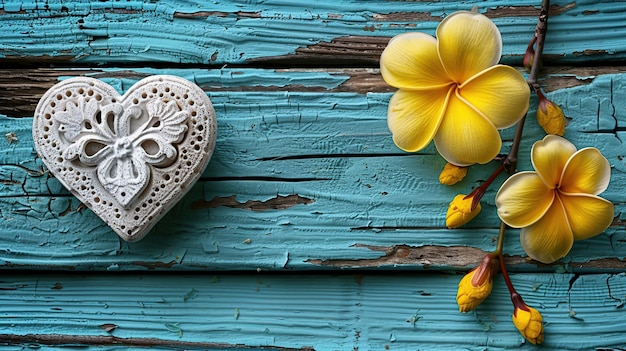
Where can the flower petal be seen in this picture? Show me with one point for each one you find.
(587, 171)
(465, 137)
(523, 199)
(549, 157)
(550, 238)
(500, 93)
(588, 215)
(411, 61)
(414, 117)
(468, 43)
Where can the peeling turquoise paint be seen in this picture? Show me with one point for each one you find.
(333, 149)
(233, 33)
(344, 264)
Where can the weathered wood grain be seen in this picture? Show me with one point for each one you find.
(24, 87)
(305, 182)
(302, 312)
(304, 176)
(286, 33)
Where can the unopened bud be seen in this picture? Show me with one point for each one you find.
(460, 211)
(452, 174)
(529, 57)
(529, 322)
(477, 284)
(550, 116)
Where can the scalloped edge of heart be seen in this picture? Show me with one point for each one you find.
(129, 158)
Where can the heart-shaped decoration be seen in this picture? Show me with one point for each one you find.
(129, 158)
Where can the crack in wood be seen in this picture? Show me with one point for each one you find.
(9, 182)
(279, 202)
(109, 340)
(367, 155)
(154, 265)
(207, 14)
(262, 179)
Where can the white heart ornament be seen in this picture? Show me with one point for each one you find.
(129, 158)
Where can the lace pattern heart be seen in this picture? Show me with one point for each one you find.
(129, 158)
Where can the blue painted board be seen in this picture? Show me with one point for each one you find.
(302, 312)
(300, 180)
(240, 32)
(309, 230)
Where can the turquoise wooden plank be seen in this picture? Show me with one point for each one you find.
(305, 178)
(302, 312)
(300, 180)
(230, 32)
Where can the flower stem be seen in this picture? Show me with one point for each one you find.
(510, 162)
(500, 244)
(505, 275)
(516, 298)
(480, 190)
(540, 34)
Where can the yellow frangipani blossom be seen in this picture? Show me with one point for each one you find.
(452, 90)
(460, 211)
(476, 285)
(529, 322)
(452, 174)
(558, 202)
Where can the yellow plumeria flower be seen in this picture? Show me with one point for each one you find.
(460, 211)
(557, 203)
(529, 322)
(476, 285)
(452, 174)
(452, 90)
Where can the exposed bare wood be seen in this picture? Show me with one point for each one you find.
(453, 256)
(363, 50)
(532, 11)
(22, 88)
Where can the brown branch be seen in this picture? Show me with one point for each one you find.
(540, 34)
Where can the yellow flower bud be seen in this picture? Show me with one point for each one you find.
(529, 323)
(477, 284)
(460, 211)
(550, 116)
(452, 174)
